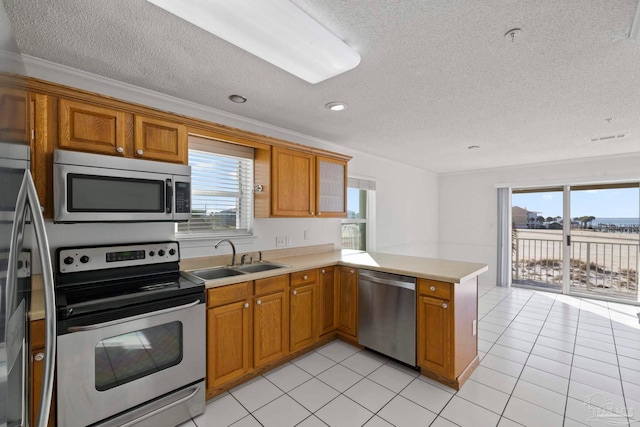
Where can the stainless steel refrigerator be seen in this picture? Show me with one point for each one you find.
(21, 226)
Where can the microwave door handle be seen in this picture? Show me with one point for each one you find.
(168, 196)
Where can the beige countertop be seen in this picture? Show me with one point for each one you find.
(427, 268)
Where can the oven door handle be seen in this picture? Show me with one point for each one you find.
(129, 319)
(159, 410)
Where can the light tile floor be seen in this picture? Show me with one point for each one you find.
(546, 360)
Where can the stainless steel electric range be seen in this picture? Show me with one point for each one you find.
(131, 337)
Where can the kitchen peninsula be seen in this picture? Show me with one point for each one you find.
(258, 321)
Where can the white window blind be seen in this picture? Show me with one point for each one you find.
(221, 189)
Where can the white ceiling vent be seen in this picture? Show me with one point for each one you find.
(609, 137)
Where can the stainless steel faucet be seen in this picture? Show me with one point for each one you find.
(233, 248)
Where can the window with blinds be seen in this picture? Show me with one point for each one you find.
(221, 190)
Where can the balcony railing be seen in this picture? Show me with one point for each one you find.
(595, 267)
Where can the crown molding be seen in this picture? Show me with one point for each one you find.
(68, 76)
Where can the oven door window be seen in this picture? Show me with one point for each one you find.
(89, 193)
(134, 355)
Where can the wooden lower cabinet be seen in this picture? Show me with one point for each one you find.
(36, 349)
(328, 296)
(228, 338)
(434, 330)
(447, 342)
(270, 328)
(348, 300)
(303, 316)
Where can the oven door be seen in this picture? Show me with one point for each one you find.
(109, 368)
(92, 194)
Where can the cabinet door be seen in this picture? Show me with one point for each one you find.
(331, 187)
(91, 128)
(302, 316)
(157, 139)
(348, 300)
(293, 183)
(37, 371)
(270, 328)
(327, 312)
(434, 335)
(14, 115)
(228, 342)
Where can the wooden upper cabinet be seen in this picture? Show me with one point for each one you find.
(91, 128)
(159, 139)
(14, 115)
(293, 183)
(331, 187)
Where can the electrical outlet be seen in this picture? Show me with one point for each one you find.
(280, 241)
(474, 328)
(306, 234)
(287, 241)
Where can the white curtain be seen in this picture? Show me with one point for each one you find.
(504, 237)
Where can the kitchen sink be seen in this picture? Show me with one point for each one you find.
(222, 272)
(215, 273)
(256, 268)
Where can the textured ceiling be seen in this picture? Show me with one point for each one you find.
(436, 76)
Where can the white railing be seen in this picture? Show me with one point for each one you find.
(596, 267)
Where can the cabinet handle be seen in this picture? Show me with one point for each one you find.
(444, 305)
(323, 271)
(140, 152)
(38, 357)
(319, 213)
(120, 150)
(311, 213)
(294, 292)
(305, 277)
(259, 302)
(246, 305)
(352, 271)
(432, 289)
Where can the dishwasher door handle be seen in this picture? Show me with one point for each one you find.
(398, 284)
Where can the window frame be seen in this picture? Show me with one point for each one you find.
(368, 185)
(229, 150)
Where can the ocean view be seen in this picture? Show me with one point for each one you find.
(616, 221)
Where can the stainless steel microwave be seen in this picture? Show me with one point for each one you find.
(97, 188)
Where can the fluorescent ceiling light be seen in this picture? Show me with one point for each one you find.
(276, 31)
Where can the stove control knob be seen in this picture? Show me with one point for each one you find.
(84, 259)
(172, 252)
(151, 253)
(161, 252)
(68, 260)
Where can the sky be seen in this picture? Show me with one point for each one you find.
(611, 203)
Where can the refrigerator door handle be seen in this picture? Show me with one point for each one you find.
(28, 195)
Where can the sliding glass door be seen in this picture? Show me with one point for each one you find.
(537, 239)
(582, 240)
(604, 241)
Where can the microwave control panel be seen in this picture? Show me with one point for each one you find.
(74, 260)
(183, 197)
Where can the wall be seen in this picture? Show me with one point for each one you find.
(406, 214)
(467, 202)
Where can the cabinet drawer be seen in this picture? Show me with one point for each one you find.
(434, 288)
(228, 294)
(271, 284)
(304, 277)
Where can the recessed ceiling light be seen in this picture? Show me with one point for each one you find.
(238, 99)
(511, 35)
(336, 106)
(473, 147)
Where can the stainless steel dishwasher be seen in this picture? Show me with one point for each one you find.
(387, 314)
